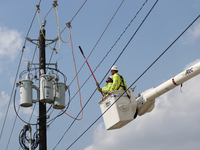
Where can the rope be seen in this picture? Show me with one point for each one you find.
(77, 82)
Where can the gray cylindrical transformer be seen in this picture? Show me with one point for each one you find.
(46, 88)
(59, 95)
(26, 93)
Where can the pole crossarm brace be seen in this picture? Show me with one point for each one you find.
(31, 40)
(30, 64)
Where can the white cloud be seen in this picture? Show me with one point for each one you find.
(4, 98)
(10, 43)
(192, 34)
(28, 111)
(173, 124)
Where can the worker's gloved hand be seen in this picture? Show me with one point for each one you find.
(100, 89)
(109, 92)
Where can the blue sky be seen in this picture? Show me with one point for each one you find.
(173, 124)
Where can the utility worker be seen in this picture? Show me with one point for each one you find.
(118, 81)
(107, 87)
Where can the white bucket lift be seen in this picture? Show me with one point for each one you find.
(118, 109)
(59, 95)
(144, 104)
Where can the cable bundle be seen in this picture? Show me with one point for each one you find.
(24, 140)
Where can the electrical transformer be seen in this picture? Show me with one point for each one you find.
(59, 95)
(26, 92)
(46, 88)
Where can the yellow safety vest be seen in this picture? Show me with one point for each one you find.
(118, 84)
(106, 88)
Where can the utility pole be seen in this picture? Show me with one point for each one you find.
(42, 106)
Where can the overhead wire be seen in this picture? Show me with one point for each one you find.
(17, 112)
(56, 20)
(68, 25)
(44, 35)
(56, 41)
(48, 12)
(77, 83)
(109, 70)
(57, 23)
(65, 80)
(136, 80)
(96, 45)
(112, 46)
(15, 82)
(52, 53)
(74, 16)
(99, 38)
(17, 74)
(11, 94)
(78, 11)
(12, 129)
(30, 67)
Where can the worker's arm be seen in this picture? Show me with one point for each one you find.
(106, 88)
(115, 83)
(98, 87)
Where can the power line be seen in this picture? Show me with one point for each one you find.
(106, 75)
(111, 48)
(66, 25)
(48, 12)
(135, 81)
(74, 16)
(109, 70)
(11, 94)
(99, 38)
(78, 10)
(95, 44)
(12, 129)
(17, 112)
(31, 24)
(17, 75)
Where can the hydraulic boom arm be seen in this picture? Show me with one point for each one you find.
(147, 99)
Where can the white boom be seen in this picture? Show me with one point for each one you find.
(147, 99)
(119, 109)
